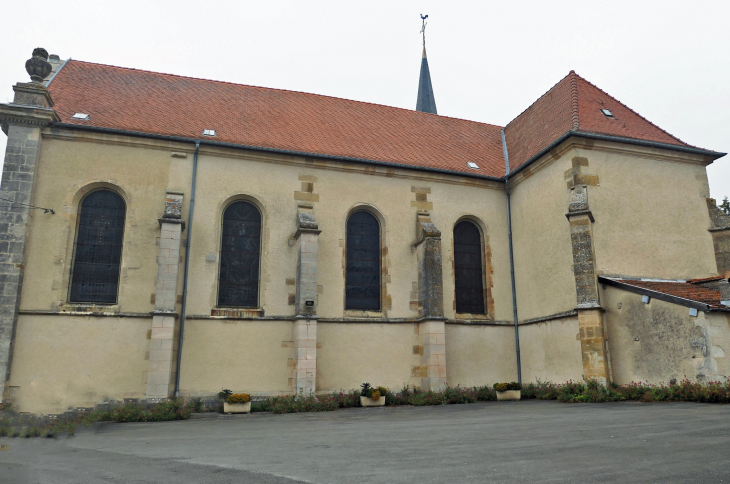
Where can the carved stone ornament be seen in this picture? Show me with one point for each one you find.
(38, 66)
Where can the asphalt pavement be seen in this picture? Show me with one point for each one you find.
(527, 441)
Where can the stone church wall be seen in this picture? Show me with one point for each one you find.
(541, 234)
(651, 212)
(551, 351)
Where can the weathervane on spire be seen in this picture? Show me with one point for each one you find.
(423, 28)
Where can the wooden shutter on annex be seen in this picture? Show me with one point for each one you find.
(98, 249)
(362, 286)
(468, 269)
(238, 282)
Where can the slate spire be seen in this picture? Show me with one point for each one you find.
(425, 102)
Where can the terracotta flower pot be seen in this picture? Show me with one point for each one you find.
(236, 407)
(369, 402)
(509, 395)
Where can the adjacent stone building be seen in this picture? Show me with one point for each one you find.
(166, 235)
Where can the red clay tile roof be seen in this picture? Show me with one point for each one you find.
(164, 104)
(575, 104)
(684, 290)
(706, 279)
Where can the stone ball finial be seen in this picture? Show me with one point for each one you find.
(38, 66)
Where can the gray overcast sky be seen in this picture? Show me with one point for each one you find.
(667, 60)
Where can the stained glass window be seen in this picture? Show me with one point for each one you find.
(362, 287)
(240, 253)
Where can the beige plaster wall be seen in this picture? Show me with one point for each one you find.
(67, 170)
(275, 184)
(650, 211)
(541, 238)
(551, 351)
(660, 341)
(349, 354)
(480, 355)
(243, 356)
(63, 362)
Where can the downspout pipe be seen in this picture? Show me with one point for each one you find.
(512, 261)
(187, 271)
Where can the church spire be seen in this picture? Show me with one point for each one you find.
(425, 102)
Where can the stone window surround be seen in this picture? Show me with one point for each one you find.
(486, 265)
(73, 226)
(359, 314)
(259, 308)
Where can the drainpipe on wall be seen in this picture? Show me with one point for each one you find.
(187, 268)
(512, 261)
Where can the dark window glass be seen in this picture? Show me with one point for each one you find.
(362, 287)
(240, 250)
(98, 251)
(468, 269)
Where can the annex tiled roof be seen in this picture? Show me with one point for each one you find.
(575, 104)
(684, 290)
(164, 104)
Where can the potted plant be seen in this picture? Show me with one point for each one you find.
(237, 403)
(372, 396)
(508, 391)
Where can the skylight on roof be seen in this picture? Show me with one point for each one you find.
(208, 132)
(83, 116)
(472, 165)
(607, 113)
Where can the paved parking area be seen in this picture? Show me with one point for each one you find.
(528, 441)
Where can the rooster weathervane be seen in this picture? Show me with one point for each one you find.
(423, 28)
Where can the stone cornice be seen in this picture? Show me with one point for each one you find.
(26, 115)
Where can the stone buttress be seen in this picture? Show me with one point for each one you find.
(590, 313)
(22, 121)
(432, 329)
(161, 369)
(305, 322)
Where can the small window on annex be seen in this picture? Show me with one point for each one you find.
(468, 268)
(238, 281)
(362, 282)
(98, 248)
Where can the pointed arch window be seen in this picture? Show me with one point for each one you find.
(98, 248)
(238, 281)
(468, 268)
(362, 284)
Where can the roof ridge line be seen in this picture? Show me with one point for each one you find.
(283, 90)
(639, 115)
(536, 100)
(575, 119)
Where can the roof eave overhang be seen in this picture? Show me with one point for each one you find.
(617, 139)
(204, 141)
(662, 296)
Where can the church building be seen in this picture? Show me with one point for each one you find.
(163, 235)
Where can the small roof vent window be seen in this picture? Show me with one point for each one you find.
(83, 116)
(472, 165)
(208, 132)
(607, 113)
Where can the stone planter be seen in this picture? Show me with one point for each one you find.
(509, 395)
(369, 402)
(236, 407)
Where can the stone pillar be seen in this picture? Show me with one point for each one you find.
(161, 370)
(431, 330)
(720, 230)
(590, 313)
(22, 120)
(305, 324)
